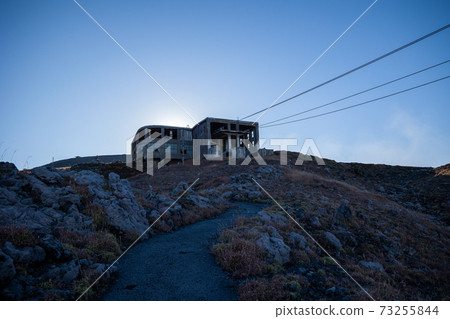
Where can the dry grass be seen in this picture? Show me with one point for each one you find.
(104, 246)
(239, 256)
(279, 287)
(98, 215)
(18, 236)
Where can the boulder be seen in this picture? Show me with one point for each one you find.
(333, 240)
(272, 244)
(41, 192)
(8, 197)
(8, 170)
(67, 198)
(343, 212)
(272, 218)
(75, 221)
(40, 220)
(46, 175)
(121, 188)
(101, 268)
(196, 201)
(242, 178)
(253, 194)
(26, 255)
(7, 269)
(117, 200)
(315, 221)
(275, 248)
(149, 193)
(125, 215)
(54, 248)
(227, 195)
(372, 265)
(70, 272)
(297, 240)
(180, 188)
(67, 272)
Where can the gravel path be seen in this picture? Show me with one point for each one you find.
(179, 265)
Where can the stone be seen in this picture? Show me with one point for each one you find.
(372, 265)
(272, 218)
(196, 200)
(253, 194)
(180, 188)
(7, 269)
(46, 175)
(101, 268)
(42, 192)
(53, 248)
(88, 178)
(343, 212)
(67, 272)
(149, 193)
(125, 215)
(120, 187)
(117, 200)
(274, 247)
(297, 240)
(330, 291)
(7, 169)
(242, 178)
(315, 221)
(8, 197)
(302, 270)
(71, 272)
(26, 255)
(333, 240)
(227, 195)
(86, 262)
(75, 221)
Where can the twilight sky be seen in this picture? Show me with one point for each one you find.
(67, 89)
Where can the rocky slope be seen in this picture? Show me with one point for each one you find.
(386, 225)
(60, 230)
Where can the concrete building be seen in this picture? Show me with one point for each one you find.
(223, 136)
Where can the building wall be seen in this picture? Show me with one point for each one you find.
(209, 128)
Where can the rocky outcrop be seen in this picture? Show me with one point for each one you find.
(273, 218)
(26, 255)
(372, 265)
(333, 240)
(36, 206)
(271, 242)
(297, 240)
(116, 198)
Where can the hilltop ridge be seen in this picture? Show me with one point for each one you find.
(386, 225)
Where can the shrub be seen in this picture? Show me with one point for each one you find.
(279, 287)
(240, 257)
(67, 236)
(190, 217)
(82, 190)
(130, 237)
(98, 215)
(18, 236)
(103, 245)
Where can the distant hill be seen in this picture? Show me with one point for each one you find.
(104, 159)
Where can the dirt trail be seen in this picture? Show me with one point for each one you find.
(179, 265)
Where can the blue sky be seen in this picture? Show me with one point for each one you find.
(66, 89)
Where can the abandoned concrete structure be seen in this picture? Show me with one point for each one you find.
(221, 137)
